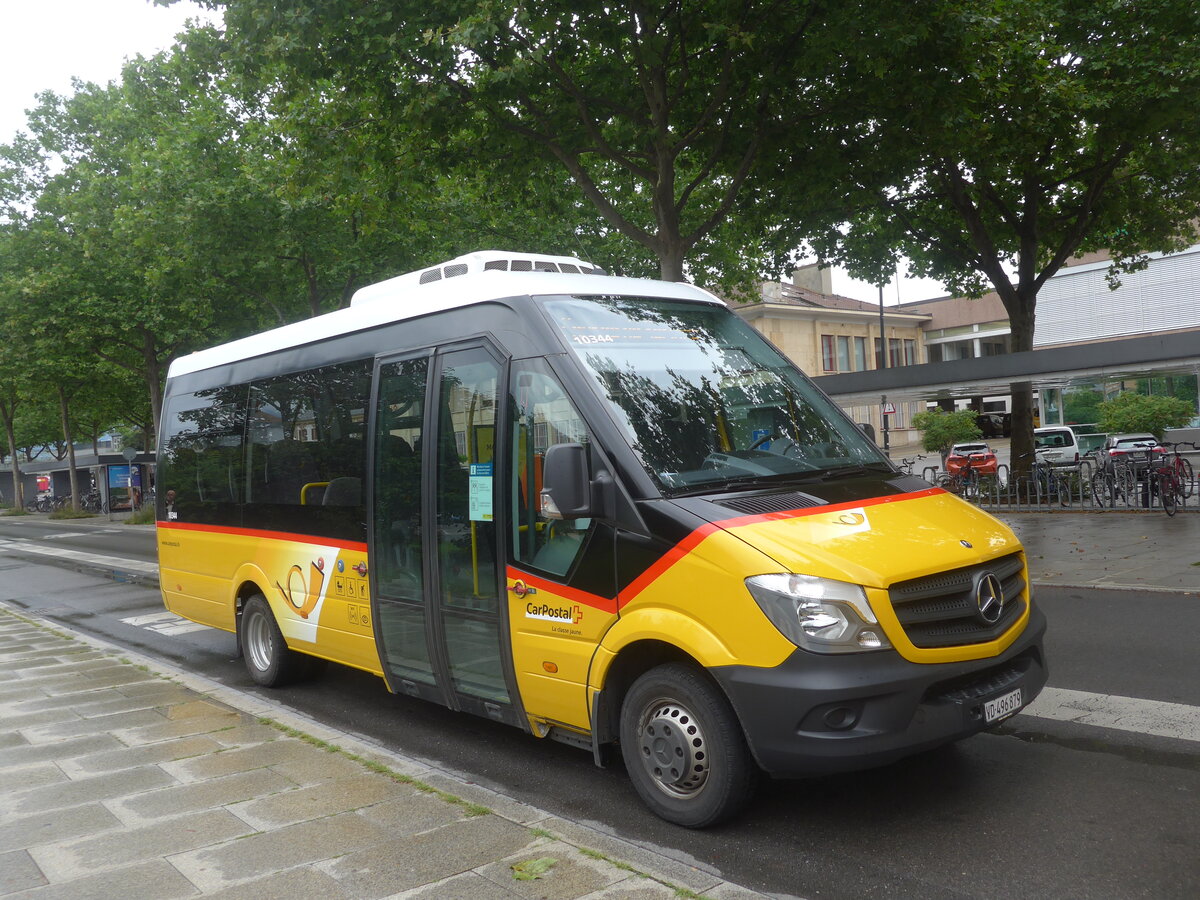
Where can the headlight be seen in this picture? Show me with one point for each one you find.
(819, 614)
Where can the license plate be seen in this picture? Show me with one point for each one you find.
(1002, 707)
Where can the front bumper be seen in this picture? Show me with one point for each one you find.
(818, 714)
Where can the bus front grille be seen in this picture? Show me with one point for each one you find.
(943, 610)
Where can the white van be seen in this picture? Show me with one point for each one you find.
(1056, 445)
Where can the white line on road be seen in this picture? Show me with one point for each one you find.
(106, 562)
(1173, 720)
(164, 623)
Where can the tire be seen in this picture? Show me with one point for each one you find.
(1126, 486)
(268, 659)
(684, 749)
(1187, 478)
(1104, 489)
(1166, 493)
(1065, 488)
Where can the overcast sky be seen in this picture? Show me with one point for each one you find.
(44, 43)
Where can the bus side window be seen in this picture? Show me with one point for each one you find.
(542, 415)
(306, 452)
(202, 454)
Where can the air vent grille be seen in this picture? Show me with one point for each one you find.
(771, 503)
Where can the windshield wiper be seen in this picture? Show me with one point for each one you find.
(853, 469)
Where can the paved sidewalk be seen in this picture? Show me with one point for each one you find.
(120, 777)
(1133, 550)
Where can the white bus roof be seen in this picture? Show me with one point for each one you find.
(467, 280)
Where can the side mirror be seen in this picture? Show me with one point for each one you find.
(566, 491)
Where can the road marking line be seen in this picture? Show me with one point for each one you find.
(105, 562)
(63, 534)
(165, 623)
(1173, 720)
(152, 617)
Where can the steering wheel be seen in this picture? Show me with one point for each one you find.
(762, 440)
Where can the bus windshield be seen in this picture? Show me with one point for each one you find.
(706, 402)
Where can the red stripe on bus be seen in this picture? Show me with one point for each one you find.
(574, 595)
(664, 562)
(354, 546)
(739, 521)
(689, 543)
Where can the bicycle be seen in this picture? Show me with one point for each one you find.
(1183, 467)
(94, 503)
(1164, 478)
(967, 479)
(1046, 481)
(906, 463)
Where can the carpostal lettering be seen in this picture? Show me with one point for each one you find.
(553, 613)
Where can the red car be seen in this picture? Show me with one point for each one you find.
(980, 457)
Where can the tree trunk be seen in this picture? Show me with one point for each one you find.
(18, 493)
(670, 260)
(64, 413)
(152, 370)
(1021, 322)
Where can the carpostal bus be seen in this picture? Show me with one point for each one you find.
(601, 509)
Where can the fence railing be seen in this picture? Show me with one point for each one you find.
(1065, 490)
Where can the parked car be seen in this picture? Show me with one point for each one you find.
(1091, 446)
(1056, 445)
(1119, 447)
(980, 456)
(994, 424)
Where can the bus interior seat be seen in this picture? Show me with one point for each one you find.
(343, 491)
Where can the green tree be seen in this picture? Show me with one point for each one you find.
(941, 430)
(1131, 413)
(1081, 405)
(659, 113)
(1014, 136)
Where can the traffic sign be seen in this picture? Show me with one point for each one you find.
(889, 409)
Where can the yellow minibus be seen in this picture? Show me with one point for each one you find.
(601, 509)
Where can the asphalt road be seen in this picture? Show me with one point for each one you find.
(1042, 808)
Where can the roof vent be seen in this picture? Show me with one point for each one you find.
(475, 263)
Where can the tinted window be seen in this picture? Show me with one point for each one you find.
(306, 452)
(200, 464)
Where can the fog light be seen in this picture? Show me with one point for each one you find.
(840, 718)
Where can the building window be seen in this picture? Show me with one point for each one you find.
(843, 354)
(860, 354)
(910, 353)
(828, 360)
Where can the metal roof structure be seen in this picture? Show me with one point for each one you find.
(1177, 353)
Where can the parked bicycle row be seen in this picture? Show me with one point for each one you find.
(1158, 476)
(93, 501)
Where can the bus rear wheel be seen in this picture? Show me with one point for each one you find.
(683, 748)
(268, 659)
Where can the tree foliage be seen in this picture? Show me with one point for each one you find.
(940, 430)
(1132, 413)
(659, 113)
(994, 140)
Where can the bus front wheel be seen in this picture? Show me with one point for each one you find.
(684, 749)
(268, 659)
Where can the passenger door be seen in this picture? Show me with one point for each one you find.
(434, 541)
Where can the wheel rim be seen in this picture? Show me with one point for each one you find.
(256, 635)
(673, 749)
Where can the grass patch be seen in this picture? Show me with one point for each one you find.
(14, 511)
(69, 513)
(144, 516)
(471, 809)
